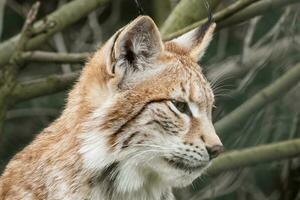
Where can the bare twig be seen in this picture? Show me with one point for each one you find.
(61, 48)
(255, 155)
(274, 32)
(115, 13)
(258, 8)
(61, 45)
(27, 27)
(8, 79)
(15, 6)
(230, 68)
(95, 27)
(81, 38)
(222, 44)
(139, 7)
(281, 86)
(187, 12)
(221, 15)
(248, 38)
(56, 21)
(252, 156)
(49, 85)
(42, 56)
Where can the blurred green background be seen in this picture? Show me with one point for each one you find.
(242, 59)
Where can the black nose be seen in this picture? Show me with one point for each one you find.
(214, 151)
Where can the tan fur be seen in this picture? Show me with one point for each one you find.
(52, 161)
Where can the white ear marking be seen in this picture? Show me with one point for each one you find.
(197, 40)
(198, 51)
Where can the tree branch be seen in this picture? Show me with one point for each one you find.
(240, 11)
(44, 86)
(219, 16)
(186, 12)
(54, 22)
(252, 156)
(275, 90)
(266, 4)
(42, 56)
(231, 67)
(9, 71)
(255, 155)
(253, 10)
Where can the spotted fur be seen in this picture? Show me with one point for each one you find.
(122, 135)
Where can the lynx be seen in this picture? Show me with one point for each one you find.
(137, 123)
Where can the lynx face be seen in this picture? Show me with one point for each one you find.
(150, 108)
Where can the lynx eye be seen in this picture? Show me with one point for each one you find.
(182, 106)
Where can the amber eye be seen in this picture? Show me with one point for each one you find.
(182, 106)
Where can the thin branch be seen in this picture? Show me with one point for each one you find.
(259, 8)
(27, 27)
(222, 44)
(8, 79)
(250, 13)
(274, 32)
(249, 37)
(51, 24)
(281, 86)
(255, 155)
(221, 15)
(231, 68)
(44, 86)
(41, 56)
(139, 7)
(249, 157)
(16, 7)
(242, 14)
(61, 48)
(187, 12)
(61, 45)
(95, 27)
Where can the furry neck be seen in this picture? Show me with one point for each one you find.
(118, 181)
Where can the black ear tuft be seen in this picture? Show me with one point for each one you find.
(210, 19)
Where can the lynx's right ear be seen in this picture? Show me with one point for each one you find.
(133, 47)
(196, 41)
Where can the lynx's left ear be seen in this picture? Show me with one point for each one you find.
(197, 40)
(133, 47)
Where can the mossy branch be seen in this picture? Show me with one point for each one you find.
(255, 155)
(53, 23)
(185, 13)
(219, 16)
(42, 56)
(44, 86)
(9, 72)
(238, 12)
(252, 156)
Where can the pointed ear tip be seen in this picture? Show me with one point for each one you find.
(144, 18)
(211, 28)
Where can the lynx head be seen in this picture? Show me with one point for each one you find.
(150, 106)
